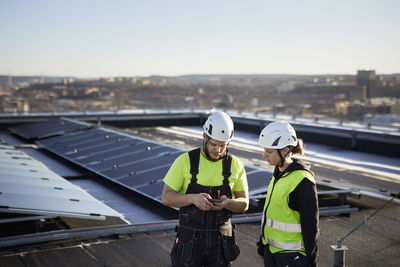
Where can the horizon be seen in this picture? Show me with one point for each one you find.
(176, 38)
(202, 74)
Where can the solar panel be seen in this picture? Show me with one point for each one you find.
(133, 162)
(153, 190)
(142, 178)
(258, 179)
(51, 127)
(29, 187)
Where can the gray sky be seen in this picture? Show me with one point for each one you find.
(170, 37)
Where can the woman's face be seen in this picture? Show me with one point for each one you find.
(271, 156)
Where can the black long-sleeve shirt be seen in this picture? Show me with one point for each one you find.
(304, 199)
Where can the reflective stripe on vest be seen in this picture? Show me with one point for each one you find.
(286, 227)
(286, 245)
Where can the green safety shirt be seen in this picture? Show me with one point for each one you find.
(210, 174)
(282, 229)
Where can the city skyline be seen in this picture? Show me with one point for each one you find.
(134, 38)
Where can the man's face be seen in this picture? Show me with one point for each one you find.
(216, 149)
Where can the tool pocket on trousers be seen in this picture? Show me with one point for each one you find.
(230, 248)
(182, 253)
(187, 252)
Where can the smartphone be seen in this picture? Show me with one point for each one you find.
(214, 200)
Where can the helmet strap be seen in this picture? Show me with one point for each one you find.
(283, 158)
(205, 143)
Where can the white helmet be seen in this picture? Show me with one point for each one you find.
(219, 126)
(277, 135)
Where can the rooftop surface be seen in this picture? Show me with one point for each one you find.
(376, 243)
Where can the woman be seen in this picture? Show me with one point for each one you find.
(289, 227)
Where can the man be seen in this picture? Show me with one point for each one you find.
(201, 183)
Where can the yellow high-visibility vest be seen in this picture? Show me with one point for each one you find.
(281, 225)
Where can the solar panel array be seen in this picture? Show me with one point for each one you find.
(135, 163)
(51, 127)
(29, 187)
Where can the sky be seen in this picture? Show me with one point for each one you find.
(98, 38)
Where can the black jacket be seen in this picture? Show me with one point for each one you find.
(304, 199)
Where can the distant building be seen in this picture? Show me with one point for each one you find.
(366, 79)
(285, 88)
(14, 105)
(68, 80)
(395, 109)
(358, 111)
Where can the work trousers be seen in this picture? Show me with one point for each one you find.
(292, 259)
(202, 249)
